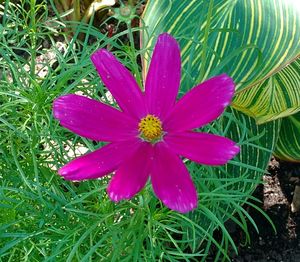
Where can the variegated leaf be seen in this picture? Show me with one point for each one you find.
(276, 97)
(242, 39)
(288, 144)
(249, 40)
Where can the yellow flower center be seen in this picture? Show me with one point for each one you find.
(150, 128)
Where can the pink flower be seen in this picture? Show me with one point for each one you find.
(150, 131)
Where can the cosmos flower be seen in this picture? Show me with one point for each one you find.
(150, 132)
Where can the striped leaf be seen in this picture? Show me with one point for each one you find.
(225, 187)
(288, 144)
(276, 97)
(234, 37)
(249, 40)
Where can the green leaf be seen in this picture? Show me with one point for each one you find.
(229, 187)
(288, 144)
(249, 40)
(242, 39)
(276, 97)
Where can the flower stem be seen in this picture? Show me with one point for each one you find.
(205, 40)
(136, 68)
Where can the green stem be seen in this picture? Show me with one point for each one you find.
(66, 5)
(136, 68)
(131, 2)
(32, 33)
(192, 52)
(76, 7)
(205, 40)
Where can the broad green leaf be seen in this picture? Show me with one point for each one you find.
(276, 97)
(249, 40)
(234, 37)
(228, 187)
(288, 144)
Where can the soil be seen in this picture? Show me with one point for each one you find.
(276, 196)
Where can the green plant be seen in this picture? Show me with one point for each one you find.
(259, 51)
(43, 217)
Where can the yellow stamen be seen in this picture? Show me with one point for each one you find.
(150, 128)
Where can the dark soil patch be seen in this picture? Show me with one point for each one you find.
(276, 196)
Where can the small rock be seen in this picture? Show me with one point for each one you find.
(296, 200)
(261, 242)
(46, 44)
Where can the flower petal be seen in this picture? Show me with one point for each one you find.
(207, 149)
(201, 105)
(171, 180)
(92, 119)
(163, 78)
(100, 162)
(132, 175)
(120, 83)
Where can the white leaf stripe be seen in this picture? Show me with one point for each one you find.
(288, 143)
(271, 25)
(276, 97)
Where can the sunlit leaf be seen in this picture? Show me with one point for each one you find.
(249, 40)
(276, 97)
(288, 144)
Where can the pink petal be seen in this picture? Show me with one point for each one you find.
(171, 180)
(163, 78)
(120, 83)
(201, 105)
(207, 149)
(92, 119)
(132, 175)
(100, 162)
